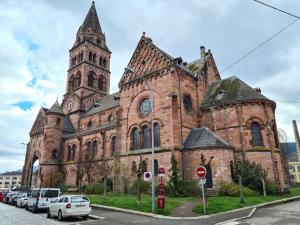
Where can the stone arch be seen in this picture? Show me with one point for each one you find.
(71, 82)
(91, 78)
(254, 119)
(102, 83)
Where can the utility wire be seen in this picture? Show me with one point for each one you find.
(267, 40)
(280, 10)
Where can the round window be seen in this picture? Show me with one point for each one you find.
(110, 118)
(145, 106)
(188, 106)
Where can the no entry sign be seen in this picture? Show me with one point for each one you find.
(201, 172)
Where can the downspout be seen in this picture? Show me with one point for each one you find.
(181, 135)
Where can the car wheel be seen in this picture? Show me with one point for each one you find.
(48, 213)
(33, 209)
(60, 216)
(84, 217)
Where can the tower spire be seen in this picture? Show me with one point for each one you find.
(92, 21)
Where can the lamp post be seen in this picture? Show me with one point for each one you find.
(129, 70)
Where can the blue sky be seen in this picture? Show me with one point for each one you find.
(36, 36)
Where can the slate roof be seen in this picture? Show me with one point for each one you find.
(230, 90)
(68, 126)
(91, 20)
(203, 138)
(197, 65)
(104, 103)
(56, 108)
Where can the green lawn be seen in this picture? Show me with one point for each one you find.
(129, 202)
(222, 204)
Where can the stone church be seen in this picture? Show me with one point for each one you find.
(195, 113)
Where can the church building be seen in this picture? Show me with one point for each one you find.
(195, 112)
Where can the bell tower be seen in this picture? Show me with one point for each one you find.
(89, 65)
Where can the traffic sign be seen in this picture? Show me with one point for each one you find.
(147, 176)
(201, 172)
(161, 171)
(161, 200)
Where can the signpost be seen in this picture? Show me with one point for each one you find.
(161, 199)
(201, 173)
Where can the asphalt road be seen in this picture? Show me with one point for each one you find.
(283, 214)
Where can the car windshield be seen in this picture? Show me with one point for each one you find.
(49, 193)
(34, 193)
(79, 199)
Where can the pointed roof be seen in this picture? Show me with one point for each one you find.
(204, 138)
(56, 108)
(91, 20)
(230, 90)
(68, 126)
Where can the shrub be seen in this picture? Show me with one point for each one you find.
(271, 187)
(191, 188)
(96, 188)
(64, 188)
(144, 187)
(232, 189)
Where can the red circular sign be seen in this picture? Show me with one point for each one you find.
(201, 172)
(161, 170)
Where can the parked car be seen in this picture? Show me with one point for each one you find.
(22, 200)
(1, 197)
(6, 199)
(12, 196)
(69, 206)
(16, 197)
(40, 198)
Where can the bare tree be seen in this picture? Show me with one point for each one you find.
(138, 173)
(88, 167)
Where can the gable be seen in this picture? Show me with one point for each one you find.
(146, 59)
(39, 123)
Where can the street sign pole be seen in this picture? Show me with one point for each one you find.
(203, 197)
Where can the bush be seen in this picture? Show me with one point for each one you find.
(96, 188)
(232, 189)
(144, 187)
(191, 188)
(271, 187)
(64, 188)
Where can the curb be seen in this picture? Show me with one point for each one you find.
(110, 208)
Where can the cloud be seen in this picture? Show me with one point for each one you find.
(36, 36)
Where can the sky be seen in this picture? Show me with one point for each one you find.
(36, 36)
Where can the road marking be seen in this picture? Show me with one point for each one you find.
(232, 221)
(97, 217)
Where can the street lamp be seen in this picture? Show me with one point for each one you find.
(130, 70)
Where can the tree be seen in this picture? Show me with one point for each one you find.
(175, 182)
(138, 173)
(88, 168)
(205, 164)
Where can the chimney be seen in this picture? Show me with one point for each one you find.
(297, 139)
(202, 54)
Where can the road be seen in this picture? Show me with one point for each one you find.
(288, 213)
(283, 214)
(11, 215)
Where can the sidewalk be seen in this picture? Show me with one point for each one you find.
(186, 210)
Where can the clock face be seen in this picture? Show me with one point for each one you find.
(70, 105)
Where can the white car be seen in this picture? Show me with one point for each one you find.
(40, 198)
(22, 201)
(68, 206)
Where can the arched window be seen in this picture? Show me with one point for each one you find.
(95, 150)
(69, 153)
(104, 63)
(187, 102)
(100, 61)
(133, 168)
(145, 137)
(54, 154)
(89, 150)
(156, 135)
(94, 57)
(58, 121)
(90, 79)
(113, 145)
(155, 167)
(90, 56)
(101, 84)
(73, 152)
(256, 134)
(71, 82)
(144, 166)
(77, 80)
(90, 124)
(135, 139)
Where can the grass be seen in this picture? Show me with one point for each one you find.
(226, 203)
(129, 202)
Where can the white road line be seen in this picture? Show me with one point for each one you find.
(231, 222)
